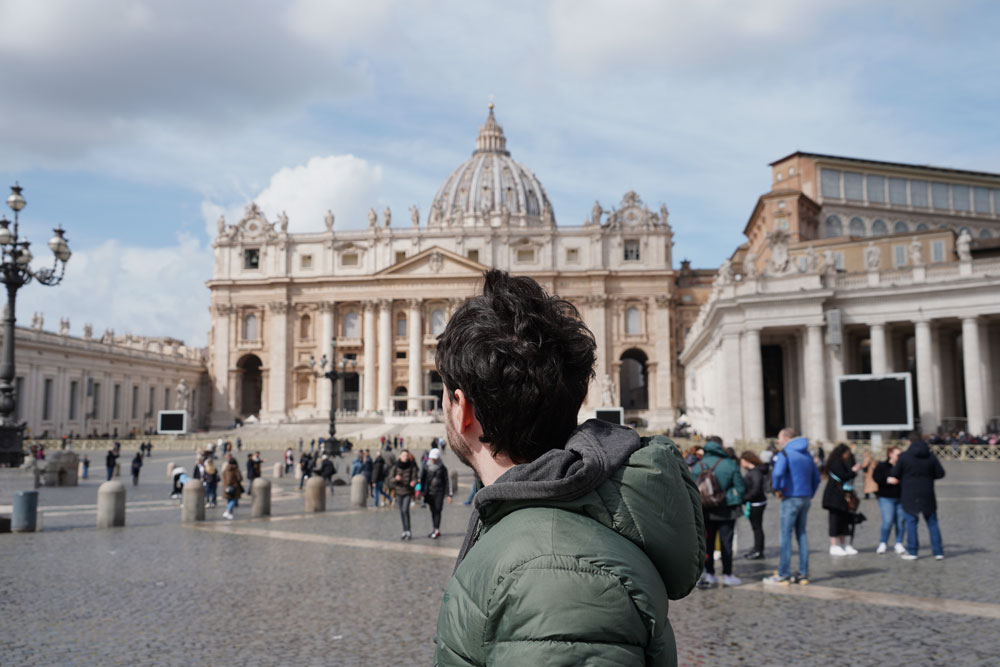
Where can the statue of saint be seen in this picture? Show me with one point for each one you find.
(749, 265)
(962, 246)
(812, 260)
(916, 252)
(221, 224)
(664, 213)
(608, 391)
(596, 213)
(283, 221)
(415, 215)
(873, 257)
(182, 400)
(387, 217)
(328, 219)
(88, 331)
(372, 218)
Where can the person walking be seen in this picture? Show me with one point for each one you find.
(327, 470)
(756, 498)
(290, 460)
(109, 462)
(794, 478)
(366, 470)
(889, 504)
(915, 472)
(305, 468)
(136, 467)
(404, 475)
(435, 485)
(232, 487)
(211, 481)
(841, 471)
(86, 466)
(720, 518)
(378, 478)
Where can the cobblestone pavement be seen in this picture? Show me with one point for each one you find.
(341, 588)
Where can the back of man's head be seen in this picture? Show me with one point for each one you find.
(787, 434)
(523, 359)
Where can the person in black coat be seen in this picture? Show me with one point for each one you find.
(136, 467)
(756, 497)
(888, 503)
(915, 472)
(110, 460)
(435, 484)
(841, 470)
(327, 470)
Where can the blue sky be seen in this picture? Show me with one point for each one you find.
(135, 124)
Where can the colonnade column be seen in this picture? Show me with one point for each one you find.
(664, 356)
(733, 422)
(925, 376)
(414, 355)
(384, 355)
(880, 363)
(815, 376)
(326, 349)
(278, 359)
(368, 381)
(975, 413)
(223, 406)
(597, 320)
(753, 381)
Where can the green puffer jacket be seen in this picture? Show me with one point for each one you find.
(571, 559)
(728, 473)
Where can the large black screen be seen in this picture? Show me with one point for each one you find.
(172, 421)
(876, 402)
(613, 416)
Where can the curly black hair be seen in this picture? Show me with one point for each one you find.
(524, 359)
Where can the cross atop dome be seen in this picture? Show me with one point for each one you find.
(491, 139)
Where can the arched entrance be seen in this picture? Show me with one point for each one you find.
(633, 380)
(250, 385)
(399, 406)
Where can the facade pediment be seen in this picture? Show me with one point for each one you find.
(434, 261)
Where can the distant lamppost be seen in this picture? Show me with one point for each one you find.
(15, 273)
(332, 375)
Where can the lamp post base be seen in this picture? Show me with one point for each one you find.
(12, 445)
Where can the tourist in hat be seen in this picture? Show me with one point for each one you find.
(436, 486)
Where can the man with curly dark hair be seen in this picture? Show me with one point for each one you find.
(582, 533)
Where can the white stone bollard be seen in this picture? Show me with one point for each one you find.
(315, 494)
(279, 470)
(193, 501)
(359, 491)
(111, 504)
(261, 503)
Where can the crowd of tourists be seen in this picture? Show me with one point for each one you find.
(734, 485)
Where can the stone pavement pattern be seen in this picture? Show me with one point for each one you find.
(340, 587)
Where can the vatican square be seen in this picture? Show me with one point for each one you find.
(275, 366)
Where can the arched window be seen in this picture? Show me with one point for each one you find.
(834, 227)
(922, 227)
(250, 327)
(985, 234)
(351, 325)
(879, 228)
(437, 322)
(633, 321)
(305, 327)
(858, 227)
(900, 228)
(401, 326)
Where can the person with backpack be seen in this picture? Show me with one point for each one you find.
(795, 479)
(722, 488)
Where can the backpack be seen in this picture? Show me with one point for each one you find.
(711, 491)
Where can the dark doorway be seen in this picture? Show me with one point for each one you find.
(774, 389)
(399, 406)
(352, 383)
(633, 380)
(250, 386)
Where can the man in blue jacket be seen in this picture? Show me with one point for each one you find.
(795, 480)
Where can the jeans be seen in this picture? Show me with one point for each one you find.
(892, 514)
(725, 529)
(231, 505)
(757, 523)
(912, 545)
(793, 517)
(404, 510)
(380, 491)
(111, 471)
(303, 480)
(211, 492)
(437, 504)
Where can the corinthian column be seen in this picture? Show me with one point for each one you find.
(384, 355)
(415, 353)
(975, 412)
(222, 414)
(815, 372)
(278, 360)
(925, 376)
(326, 309)
(753, 380)
(369, 352)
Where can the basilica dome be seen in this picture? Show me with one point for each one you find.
(491, 188)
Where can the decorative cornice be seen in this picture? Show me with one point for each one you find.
(224, 309)
(279, 307)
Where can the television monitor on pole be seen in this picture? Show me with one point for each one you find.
(613, 415)
(875, 402)
(172, 422)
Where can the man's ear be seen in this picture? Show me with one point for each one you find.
(466, 413)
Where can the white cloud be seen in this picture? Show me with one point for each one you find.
(146, 291)
(344, 184)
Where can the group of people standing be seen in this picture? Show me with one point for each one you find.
(903, 484)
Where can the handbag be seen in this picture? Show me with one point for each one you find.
(852, 501)
(230, 490)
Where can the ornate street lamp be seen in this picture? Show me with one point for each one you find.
(15, 272)
(332, 375)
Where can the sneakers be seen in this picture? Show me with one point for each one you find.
(899, 548)
(777, 579)
(939, 557)
(837, 550)
(909, 556)
(881, 548)
(406, 535)
(730, 580)
(753, 555)
(435, 534)
(227, 515)
(801, 579)
(850, 550)
(707, 580)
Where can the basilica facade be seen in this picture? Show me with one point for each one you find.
(371, 302)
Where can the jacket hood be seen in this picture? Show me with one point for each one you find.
(920, 449)
(715, 449)
(798, 445)
(640, 489)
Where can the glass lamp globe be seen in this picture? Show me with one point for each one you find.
(15, 200)
(5, 234)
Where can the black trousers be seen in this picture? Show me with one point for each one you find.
(757, 524)
(436, 503)
(725, 531)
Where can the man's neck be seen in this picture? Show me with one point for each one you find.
(491, 468)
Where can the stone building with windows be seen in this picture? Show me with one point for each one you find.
(853, 266)
(385, 292)
(114, 385)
